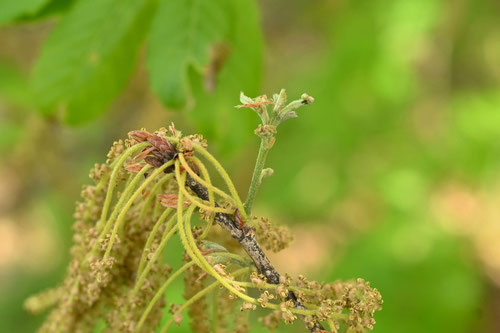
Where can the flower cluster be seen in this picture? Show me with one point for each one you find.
(349, 304)
(273, 237)
(156, 186)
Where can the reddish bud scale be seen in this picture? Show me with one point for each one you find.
(171, 200)
(193, 167)
(135, 167)
(139, 136)
(153, 161)
(239, 218)
(144, 153)
(161, 144)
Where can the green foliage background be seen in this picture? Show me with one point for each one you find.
(407, 106)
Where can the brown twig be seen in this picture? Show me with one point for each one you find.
(162, 152)
(246, 237)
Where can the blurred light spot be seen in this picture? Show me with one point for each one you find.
(26, 245)
(307, 254)
(491, 49)
(314, 184)
(478, 117)
(404, 189)
(406, 25)
(411, 243)
(94, 58)
(9, 188)
(8, 241)
(474, 214)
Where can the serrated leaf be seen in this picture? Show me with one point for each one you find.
(13, 9)
(87, 60)
(182, 34)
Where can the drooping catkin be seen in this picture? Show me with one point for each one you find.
(198, 312)
(116, 273)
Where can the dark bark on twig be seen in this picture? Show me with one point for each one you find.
(246, 237)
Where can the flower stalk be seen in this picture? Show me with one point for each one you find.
(267, 133)
(257, 175)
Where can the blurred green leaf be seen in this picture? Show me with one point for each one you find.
(88, 58)
(403, 189)
(428, 281)
(362, 88)
(54, 7)
(472, 137)
(477, 115)
(181, 36)
(9, 134)
(213, 114)
(13, 9)
(13, 85)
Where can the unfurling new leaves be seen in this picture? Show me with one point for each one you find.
(280, 112)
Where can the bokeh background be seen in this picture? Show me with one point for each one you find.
(392, 175)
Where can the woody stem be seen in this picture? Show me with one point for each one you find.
(246, 237)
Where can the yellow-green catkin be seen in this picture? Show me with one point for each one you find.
(198, 312)
(117, 233)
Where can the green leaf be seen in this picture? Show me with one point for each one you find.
(13, 86)
(242, 71)
(10, 134)
(87, 60)
(51, 9)
(13, 9)
(182, 34)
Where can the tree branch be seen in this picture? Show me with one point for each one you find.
(246, 237)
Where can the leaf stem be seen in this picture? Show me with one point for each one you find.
(129, 203)
(164, 286)
(192, 248)
(205, 183)
(224, 175)
(153, 194)
(150, 239)
(113, 181)
(160, 292)
(331, 324)
(215, 310)
(257, 175)
(273, 286)
(170, 229)
(200, 294)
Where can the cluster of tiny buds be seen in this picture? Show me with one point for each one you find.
(352, 303)
(264, 298)
(281, 111)
(116, 149)
(177, 315)
(272, 236)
